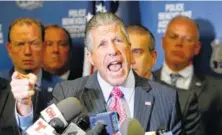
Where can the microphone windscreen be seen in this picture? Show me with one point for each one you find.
(99, 129)
(131, 126)
(83, 122)
(70, 108)
(56, 123)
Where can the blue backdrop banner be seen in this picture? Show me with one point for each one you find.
(154, 15)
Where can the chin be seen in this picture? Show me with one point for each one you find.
(117, 81)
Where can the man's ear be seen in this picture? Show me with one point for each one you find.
(197, 48)
(8, 47)
(154, 57)
(162, 42)
(89, 56)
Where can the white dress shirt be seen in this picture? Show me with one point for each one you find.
(183, 82)
(128, 89)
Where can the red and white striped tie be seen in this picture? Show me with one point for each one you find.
(117, 104)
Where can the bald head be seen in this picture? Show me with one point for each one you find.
(181, 43)
(184, 21)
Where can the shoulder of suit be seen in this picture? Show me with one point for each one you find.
(50, 77)
(4, 84)
(209, 79)
(161, 88)
(77, 82)
(212, 78)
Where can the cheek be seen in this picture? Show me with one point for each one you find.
(127, 54)
(38, 55)
(98, 58)
(189, 51)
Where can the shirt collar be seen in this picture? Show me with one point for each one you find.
(185, 73)
(127, 88)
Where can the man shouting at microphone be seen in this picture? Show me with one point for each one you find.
(115, 86)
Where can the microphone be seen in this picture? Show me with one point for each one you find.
(57, 124)
(65, 111)
(159, 132)
(73, 129)
(52, 112)
(131, 126)
(163, 132)
(70, 108)
(83, 122)
(110, 119)
(99, 129)
(40, 127)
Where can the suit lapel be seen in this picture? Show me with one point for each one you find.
(143, 102)
(197, 83)
(92, 96)
(44, 94)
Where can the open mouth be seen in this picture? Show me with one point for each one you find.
(115, 66)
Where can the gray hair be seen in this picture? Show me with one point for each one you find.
(99, 20)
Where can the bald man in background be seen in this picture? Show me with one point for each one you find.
(181, 44)
(144, 54)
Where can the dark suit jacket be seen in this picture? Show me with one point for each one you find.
(209, 94)
(73, 75)
(8, 124)
(164, 111)
(40, 101)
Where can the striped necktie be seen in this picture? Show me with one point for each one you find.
(174, 77)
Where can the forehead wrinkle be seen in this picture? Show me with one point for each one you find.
(188, 26)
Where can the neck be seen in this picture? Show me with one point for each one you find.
(57, 72)
(148, 75)
(178, 67)
(33, 71)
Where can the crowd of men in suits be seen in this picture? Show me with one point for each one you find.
(181, 99)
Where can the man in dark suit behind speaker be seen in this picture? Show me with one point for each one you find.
(144, 54)
(180, 44)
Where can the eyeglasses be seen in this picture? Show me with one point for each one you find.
(35, 44)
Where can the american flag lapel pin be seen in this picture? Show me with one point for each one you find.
(147, 103)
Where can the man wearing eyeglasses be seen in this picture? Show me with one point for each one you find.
(30, 84)
(180, 44)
